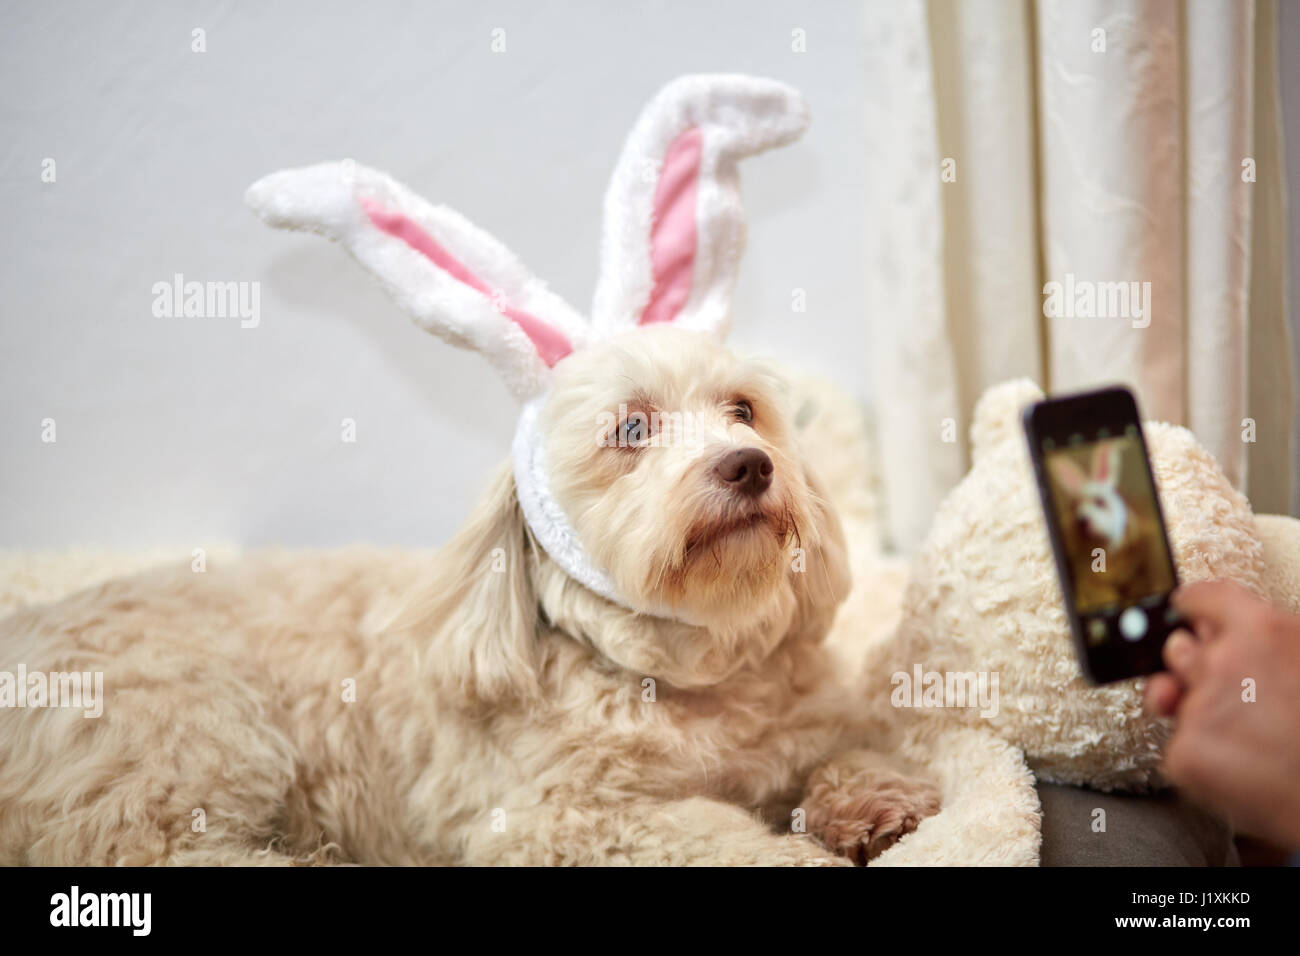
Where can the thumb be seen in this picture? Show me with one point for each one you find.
(1183, 655)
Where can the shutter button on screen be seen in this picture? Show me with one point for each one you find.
(1133, 624)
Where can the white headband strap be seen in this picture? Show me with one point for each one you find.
(550, 525)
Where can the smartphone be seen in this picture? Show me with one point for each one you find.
(1106, 528)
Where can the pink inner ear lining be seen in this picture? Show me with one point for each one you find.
(672, 228)
(1104, 453)
(550, 342)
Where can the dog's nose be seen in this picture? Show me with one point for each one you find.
(747, 470)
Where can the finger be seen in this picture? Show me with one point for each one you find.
(1183, 656)
(1162, 695)
(1210, 605)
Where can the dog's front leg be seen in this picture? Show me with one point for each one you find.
(861, 803)
(695, 831)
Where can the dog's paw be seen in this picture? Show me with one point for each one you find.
(859, 806)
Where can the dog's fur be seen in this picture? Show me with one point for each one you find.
(483, 707)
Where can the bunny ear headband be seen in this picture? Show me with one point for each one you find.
(674, 231)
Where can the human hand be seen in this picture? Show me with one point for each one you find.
(1234, 689)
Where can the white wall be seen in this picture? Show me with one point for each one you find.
(177, 432)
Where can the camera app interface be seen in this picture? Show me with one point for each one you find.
(1106, 511)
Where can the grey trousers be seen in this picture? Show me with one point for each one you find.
(1158, 830)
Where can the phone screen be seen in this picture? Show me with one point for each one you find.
(1105, 504)
(1106, 530)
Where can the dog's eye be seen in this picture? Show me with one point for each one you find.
(743, 411)
(635, 431)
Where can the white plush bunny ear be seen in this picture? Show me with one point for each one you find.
(674, 226)
(1068, 475)
(452, 278)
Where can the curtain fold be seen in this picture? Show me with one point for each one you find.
(1218, 49)
(986, 133)
(1270, 480)
(1084, 192)
(1110, 155)
(915, 370)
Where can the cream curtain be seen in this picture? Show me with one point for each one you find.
(1128, 152)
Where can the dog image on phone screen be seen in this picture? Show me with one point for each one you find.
(1108, 523)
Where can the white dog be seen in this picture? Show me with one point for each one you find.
(619, 659)
(506, 714)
